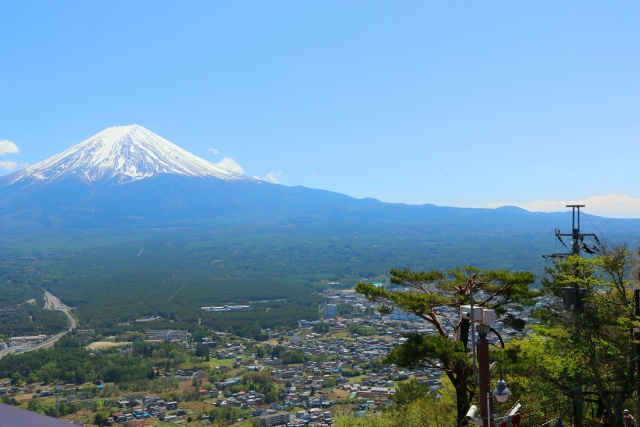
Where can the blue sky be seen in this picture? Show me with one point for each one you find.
(470, 104)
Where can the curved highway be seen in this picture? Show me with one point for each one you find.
(51, 302)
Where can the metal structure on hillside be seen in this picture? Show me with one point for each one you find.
(635, 273)
(574, 296)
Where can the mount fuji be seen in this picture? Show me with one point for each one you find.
(118, 155)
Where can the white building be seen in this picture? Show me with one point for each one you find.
(277, 419)
(330, 310)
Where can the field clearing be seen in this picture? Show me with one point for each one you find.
(337, 393)
(101, 345)
(357, 379)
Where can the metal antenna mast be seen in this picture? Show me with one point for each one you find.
(577, 238)
(574, 296)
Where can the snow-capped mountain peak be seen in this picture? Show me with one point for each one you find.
(123, 154)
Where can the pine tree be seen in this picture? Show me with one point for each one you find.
(428, 295)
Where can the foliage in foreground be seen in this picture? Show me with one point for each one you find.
(413, 407)
(590, 345)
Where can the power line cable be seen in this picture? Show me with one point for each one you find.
(546, 259)
(596, 227)
(610, 301)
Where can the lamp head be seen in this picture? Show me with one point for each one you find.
(501, 391)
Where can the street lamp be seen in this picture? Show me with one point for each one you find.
(501, 392)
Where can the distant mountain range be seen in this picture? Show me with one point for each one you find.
(129, 177)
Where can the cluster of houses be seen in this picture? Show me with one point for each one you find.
(332, 362)
(242, 400)
(146, 407)
(399, 321)
(375, 384)
(69, 392)
(354, 355)
(7, 389)
(155, 407)
(314, 416)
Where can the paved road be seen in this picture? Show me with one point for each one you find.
(51, 302)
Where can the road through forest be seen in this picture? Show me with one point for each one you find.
(51, 302)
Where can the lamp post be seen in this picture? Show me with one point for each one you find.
(484, 318)
(483, 373)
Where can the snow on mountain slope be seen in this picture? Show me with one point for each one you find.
(122, 154)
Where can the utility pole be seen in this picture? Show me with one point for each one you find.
(483, 373)
(636, 336)
(577, 238)
(635, 273)
(578, 402)
(575, 232)
(574, 297)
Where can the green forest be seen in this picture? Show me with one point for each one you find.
(111, 277)
(71, 362)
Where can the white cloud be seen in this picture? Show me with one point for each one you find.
(315, 175)
(230, 165)
(7, 147)
(8, 165)
(272, 177)
(612, 205)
